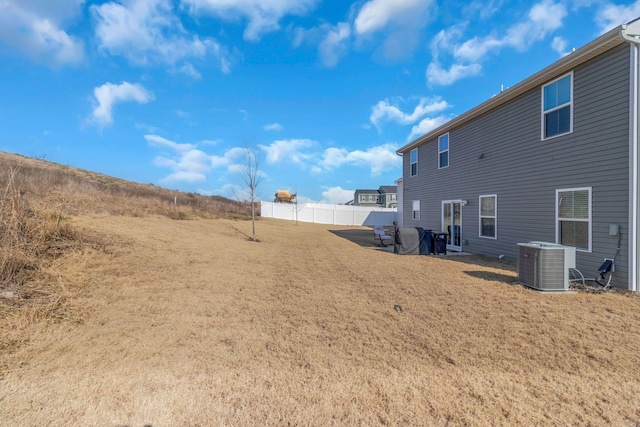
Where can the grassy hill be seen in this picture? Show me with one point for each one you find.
(37, 199)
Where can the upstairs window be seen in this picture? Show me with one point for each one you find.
(414, 162)
(488, 216)
(557, 107)
(369, 198)
(573, 218)
(443, 151)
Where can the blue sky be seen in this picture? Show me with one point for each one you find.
(173, 92)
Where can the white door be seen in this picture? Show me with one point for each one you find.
(452, 223)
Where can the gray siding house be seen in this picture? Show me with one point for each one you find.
(554, 158)
(385, 197)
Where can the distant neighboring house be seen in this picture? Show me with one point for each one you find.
(383, 197)
(553, 158)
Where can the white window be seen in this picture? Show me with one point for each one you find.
(488, 216)
(573, 218)
(416, 210)
(443, 151)
(368, 198)
(414, 162)
(557, 107)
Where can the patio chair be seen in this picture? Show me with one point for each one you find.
(380, 234)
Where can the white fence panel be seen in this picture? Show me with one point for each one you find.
(322, 213)
(283, 210)
(344, 217)
(304, 214)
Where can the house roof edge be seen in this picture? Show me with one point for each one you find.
(594, 48)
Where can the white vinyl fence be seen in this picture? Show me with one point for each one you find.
(321, 213)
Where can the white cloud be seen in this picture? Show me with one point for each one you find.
(426, 125)
(184, 176)
(109, 94)
(377, 14)
(190, 71)
(542, 19)
(476, 49)
(334, 157)
(228, 157)
(333, 45)
(483, 9)
(36, 29)
(287, 150)
(380, 159)
(148, 32)
(385, 111)
(229, 190)
(611, 15)
(273, 126)
(560, 45)
(391, 27)
(263, 15)
(158, 141)
(398, 23)
(337, 195)
(187, 161)
(547, 16)
(332, 41)
(445, 42)
(446, 38)
(439, 76)
(210, 142)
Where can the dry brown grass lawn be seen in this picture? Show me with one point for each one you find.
(113, 313)
(185, 323)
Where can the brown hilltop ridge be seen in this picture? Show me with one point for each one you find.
(121, 315)
(83, 191)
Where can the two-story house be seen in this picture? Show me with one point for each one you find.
(553, 158)
(383, 197)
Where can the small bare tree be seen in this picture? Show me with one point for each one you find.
(252, 179)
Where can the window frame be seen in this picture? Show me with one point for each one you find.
(412, 163)
(415, 213)
(543, 112)
(494, 216)
(367, 198)
(589, 220)
(443, 151)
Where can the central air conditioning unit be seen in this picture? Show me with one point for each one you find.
(545, 266)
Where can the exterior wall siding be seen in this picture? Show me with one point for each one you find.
(502, 153)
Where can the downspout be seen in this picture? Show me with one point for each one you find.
(631, 34)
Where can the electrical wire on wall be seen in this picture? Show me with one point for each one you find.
(603, 280)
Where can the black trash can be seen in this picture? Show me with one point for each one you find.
(440, 243)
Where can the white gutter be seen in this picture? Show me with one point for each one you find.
(633, 171)
(631, 33)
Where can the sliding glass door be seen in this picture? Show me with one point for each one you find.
(452, 223)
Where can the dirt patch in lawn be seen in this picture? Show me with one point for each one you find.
(189, 323)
